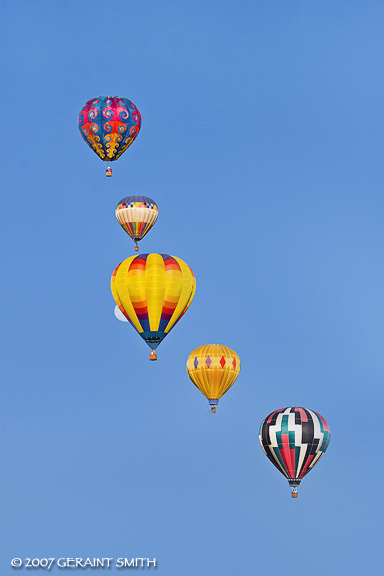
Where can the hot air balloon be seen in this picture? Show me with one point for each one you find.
(137, 215)
(153, 291)
(213, 369)
(294, 439)
(109, 125)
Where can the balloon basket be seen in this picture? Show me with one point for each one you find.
(213, 409)
(153, 355)
(294, 493)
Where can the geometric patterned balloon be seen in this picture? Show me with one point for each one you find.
(153, 291)
(136, 215)
(109, 125)
(213, 369)
(294, 439)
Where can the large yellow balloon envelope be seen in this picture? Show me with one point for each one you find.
(213, 369)
(153, 291)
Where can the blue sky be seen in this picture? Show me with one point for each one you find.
(262, 144)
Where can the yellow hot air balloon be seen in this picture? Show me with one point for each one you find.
(153, 291)
(213, 369)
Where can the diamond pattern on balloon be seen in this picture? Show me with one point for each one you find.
(234, 363)
(208, 361)
(222, 361)
(196, 363)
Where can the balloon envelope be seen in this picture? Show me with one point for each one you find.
(213, 369)
(294, 439)
(136, 215)
(109, 125)
(153, 291)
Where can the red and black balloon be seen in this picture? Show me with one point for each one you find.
(294, 439)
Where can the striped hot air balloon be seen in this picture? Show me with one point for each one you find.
(153, 291)
(294, 439)
(136, 215)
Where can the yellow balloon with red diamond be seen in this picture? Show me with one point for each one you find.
(213, 369)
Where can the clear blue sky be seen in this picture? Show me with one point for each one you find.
(262, 144)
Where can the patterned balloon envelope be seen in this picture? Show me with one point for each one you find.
(109, 125)
(213, 369)
(136, 215)
(153, 291)
(294, 439)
